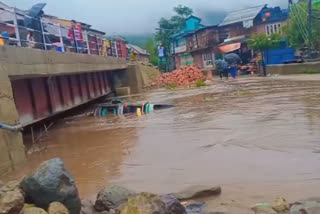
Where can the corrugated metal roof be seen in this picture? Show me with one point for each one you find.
(242, 15)
(6, 16)
(138, 49)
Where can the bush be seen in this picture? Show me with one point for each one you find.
(200, 83)
(310, 71)
(171, 86)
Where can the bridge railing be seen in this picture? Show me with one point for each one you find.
(19, 29)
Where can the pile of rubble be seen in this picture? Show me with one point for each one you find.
(184, 76)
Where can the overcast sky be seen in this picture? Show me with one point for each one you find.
(133, 16)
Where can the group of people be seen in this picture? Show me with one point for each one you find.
(224, 68)
(75, 35)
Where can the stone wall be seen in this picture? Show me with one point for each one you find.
(297, 68)
(136, 77)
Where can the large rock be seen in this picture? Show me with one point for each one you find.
(87, 207)
(11, 185)
(280, 204)
(52, 182)
(11, 198)
(263, 209)
(57, 208)
(144, 203)
(112, 197)
(34, 210)
(196, 192)
(173, 205)
(307, 206)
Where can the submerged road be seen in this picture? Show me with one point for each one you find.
(257, 137)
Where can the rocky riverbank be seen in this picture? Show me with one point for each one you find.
(51, 189)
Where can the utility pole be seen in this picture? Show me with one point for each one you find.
(289, 17)
(310, 26)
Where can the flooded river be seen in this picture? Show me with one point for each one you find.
(257, 138)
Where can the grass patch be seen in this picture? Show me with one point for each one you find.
(310, 71)
(172, 86)
(200, 83)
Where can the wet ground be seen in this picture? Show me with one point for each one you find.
(256, 137)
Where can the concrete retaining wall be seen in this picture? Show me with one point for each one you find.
(21, 63)
(297, 68)
(136, 77)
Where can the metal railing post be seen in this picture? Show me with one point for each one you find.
(75, 40)
(97, 45)
(87, 41)
(61, 37)
(116, 48)
(43, 35)
(16, 26)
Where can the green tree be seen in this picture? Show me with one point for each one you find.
(297, 30)
(152, 50)
(168, 27)
(261, 43)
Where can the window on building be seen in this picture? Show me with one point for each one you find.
(273, 28)
(207, 59)
(194, 39)
(186, 59)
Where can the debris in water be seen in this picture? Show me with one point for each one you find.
(120, 108)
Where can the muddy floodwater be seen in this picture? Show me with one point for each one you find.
(256, 137)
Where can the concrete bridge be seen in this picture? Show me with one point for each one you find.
(36, 84)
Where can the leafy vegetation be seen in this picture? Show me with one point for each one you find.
(172, 86)
(152, 50)
(261, 43)
(297, 30)
(171, 26)
(310, 71)
(200, 83)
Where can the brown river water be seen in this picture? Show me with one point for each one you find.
(256, 137)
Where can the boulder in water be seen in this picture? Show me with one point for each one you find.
(11, 198)
(34, 210)
(306, 206)
(112, 197)
(52, 182)
(263, 209)
(87, 207)
(173, 205)
(196, 192)
(280, 204)
(144, 203)
(57, 208)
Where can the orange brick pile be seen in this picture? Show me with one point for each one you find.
(184, 76)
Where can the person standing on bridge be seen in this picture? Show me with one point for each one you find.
(76, 36)
(31, 40)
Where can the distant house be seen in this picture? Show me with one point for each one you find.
(140, 54)
(195, 44)
(238, 26)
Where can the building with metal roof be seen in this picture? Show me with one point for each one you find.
(242, 15)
